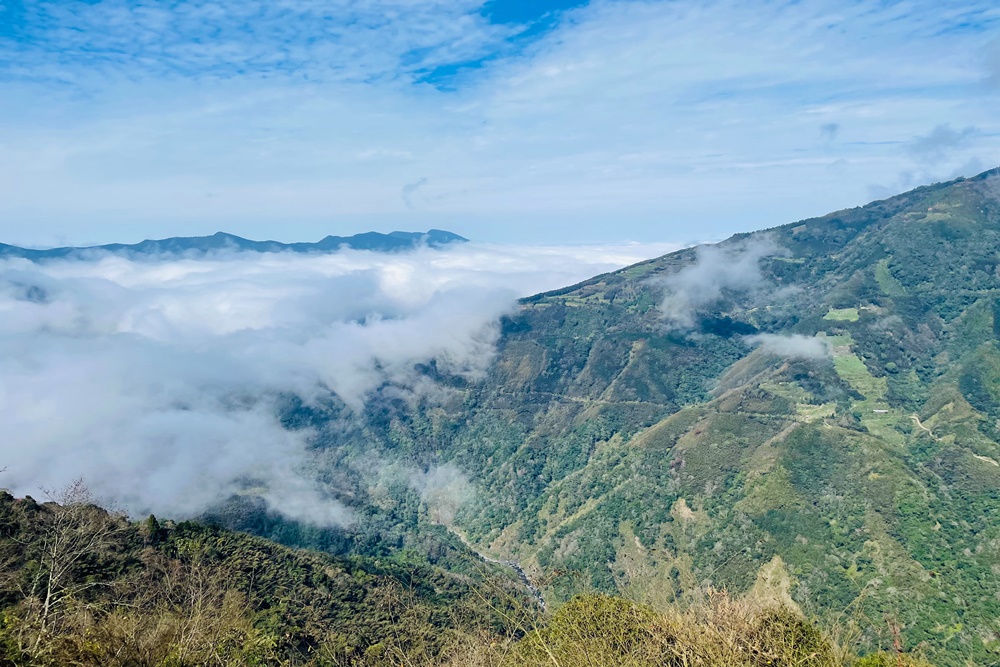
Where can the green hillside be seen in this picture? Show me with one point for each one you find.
(615, 450)
(80, 586)
(655, 460)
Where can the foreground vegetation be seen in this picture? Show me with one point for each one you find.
(603, 631)
(81, 586)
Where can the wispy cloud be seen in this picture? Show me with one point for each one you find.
(410, 189)
(992, 64)
(793, 346)
(941, 142)
(344, 41)
(715, 271)
(943, 152)
(622, 118)
(160, 382)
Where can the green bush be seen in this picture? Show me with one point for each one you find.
(883, 659)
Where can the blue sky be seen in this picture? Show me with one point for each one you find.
(506, 121)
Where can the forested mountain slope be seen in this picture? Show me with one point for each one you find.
(809, 412)
(80, 586)
(811, 409)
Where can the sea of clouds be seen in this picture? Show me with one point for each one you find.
(156, 381)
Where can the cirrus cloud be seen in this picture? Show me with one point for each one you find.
(621, 119)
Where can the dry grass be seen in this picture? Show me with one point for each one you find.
(602, 631)
(174, 612)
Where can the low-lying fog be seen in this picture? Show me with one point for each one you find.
(155, 380)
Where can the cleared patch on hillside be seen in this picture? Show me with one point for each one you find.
(651, 574)
(842, 315)
(886, 281)
(874, 411)
(774, 585)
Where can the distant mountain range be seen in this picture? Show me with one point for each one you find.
(221, 241)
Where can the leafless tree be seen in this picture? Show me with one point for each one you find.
(68, 533)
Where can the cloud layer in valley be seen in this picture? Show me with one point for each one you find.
(158, 381)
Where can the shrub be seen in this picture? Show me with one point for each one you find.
(603, 631)
(883, 659)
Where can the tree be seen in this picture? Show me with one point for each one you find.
(70, 537)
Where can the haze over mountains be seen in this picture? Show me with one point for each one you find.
(222, 242)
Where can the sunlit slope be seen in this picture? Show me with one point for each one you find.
(615, 451)
(80, 586)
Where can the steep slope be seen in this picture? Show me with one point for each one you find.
(81, 586)
(808, 412)
(631, 437)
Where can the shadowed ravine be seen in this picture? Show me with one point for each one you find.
(514, 565)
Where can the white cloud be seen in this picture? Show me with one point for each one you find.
(793, 346)
(630, 119)
(157, 380)
(937, 144)
(444, 489)
(715, 271)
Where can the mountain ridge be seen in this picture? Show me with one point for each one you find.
(222, 241)
(986, 175)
